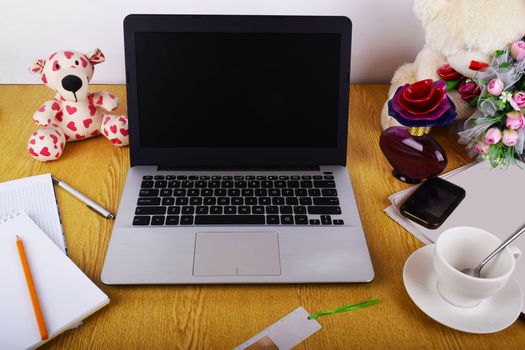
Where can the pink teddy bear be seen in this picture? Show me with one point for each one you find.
(74, 113)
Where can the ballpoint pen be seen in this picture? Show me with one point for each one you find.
(92, 205)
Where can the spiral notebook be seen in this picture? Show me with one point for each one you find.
(66, 294)
(35, 196)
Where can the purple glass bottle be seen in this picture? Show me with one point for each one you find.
(413, 154)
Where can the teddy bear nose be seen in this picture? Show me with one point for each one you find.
(71, 83)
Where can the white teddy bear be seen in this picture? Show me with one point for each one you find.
(463, 34)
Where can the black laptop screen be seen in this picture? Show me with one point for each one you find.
(237, 89)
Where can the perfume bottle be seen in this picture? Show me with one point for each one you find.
(412, 154)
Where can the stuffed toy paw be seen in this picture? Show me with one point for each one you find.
(74, 113)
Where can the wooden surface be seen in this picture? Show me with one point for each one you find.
(220, 317)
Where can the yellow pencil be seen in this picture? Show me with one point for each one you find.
(32, 290)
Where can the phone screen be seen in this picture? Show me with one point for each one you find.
(432, 202)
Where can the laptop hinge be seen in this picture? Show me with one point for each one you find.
(241, 168)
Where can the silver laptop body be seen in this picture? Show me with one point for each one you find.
(236, 210)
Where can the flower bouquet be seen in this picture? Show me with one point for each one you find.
(496, 131)
(413, 154)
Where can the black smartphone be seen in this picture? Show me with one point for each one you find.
(432, 202)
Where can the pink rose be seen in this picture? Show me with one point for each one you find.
(519, 99)
(495, 87)
(510, 137)
(492, 136)
(517, 50)
(515, 120)
(482, 148)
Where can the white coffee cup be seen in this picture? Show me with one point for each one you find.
(463, 247)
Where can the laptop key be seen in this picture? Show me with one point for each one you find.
(326, 201)
(182, 201)
(324, 184)
(326, 220)
(216, 210)
(148, 193)
(278, 201)
(193, 192)
(171, 177)
(186, 220)
(150, 210)
(314, 192)
(196, 201)
(223, 201)
(285, 209)
(148, 201)
(301, 220)
(274, 192)
(288, 192)
(329, 192)
(172, 220)
(237, 201)
(301, 192)
(188, 210)
(264, 201)
(305, 201)
(161, 184)
(250, 201)
(287, 219)
(247, 192)
(234, 192)
(168, 201)
(159, 177)
(174, 184)
(292, 201)
(315, 222)
(202, 210)
(141, 220)
(272, 219)
(229, 220)
(207, 192)
(324, 210)
(147, 177)
(257, 209)
(230, 210)
(182, 177)
(243, 210)
(220, 192)
(266, 184)
(261, 192)
(173, 210)
(339, 222)
(157, 220)
(179, 192)
(146, 184)
(299, 210)
(272, 209)
(293, 184)
(166, 192)
(210, 201)
(306, 184)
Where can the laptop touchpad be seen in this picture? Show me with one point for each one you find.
(237, 254)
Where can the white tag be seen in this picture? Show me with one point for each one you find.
(286, 333)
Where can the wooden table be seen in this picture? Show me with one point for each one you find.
(220, 317)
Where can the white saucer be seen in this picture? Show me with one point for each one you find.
(490, 316)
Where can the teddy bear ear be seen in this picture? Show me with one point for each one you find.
(428, 10)
(37, 67)
(96, 56)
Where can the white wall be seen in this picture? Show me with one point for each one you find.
(386, 33)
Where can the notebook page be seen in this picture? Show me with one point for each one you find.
(66, 295)
(35, 196)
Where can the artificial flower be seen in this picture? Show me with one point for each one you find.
(482, 148)
(495, 87)
(517, 50)
(475, 65)
(423, 103)
(515, 120)
(468, 90)
(519, 99)
(448, 73)
(509, 137)
(493, 136)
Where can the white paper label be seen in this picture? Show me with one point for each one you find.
(286, 333)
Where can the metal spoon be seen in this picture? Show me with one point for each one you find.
(476, 271)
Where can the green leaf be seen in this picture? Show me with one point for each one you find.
(501, 104)
(504, 65)
(452, 84)
(498, 53)
(474, 102)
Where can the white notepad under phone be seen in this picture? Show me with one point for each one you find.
(66, 294)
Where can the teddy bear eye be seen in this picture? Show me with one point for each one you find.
(76, 62)
(57, 66)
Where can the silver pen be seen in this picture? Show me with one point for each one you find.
(90, 204)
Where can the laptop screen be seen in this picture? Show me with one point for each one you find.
(237, 90)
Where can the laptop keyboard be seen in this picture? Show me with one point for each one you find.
(237, 200)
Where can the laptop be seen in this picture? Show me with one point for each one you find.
(238, 129)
